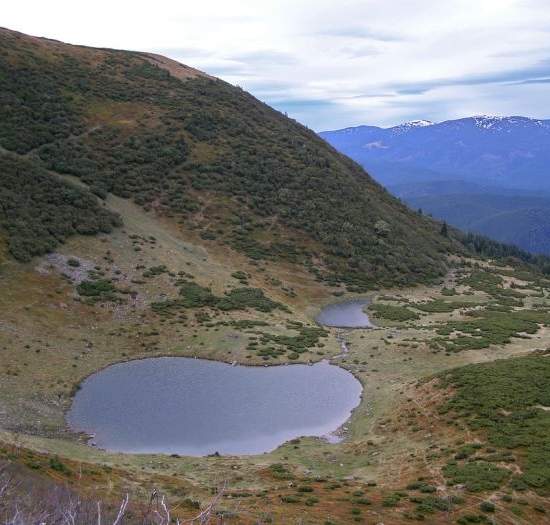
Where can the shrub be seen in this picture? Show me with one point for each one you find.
(392, 312)
(391, 500)
(487, 506)
(477, 476)
(99, 290)
(279, 471)
(57, 465)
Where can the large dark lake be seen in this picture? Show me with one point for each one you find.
(346, 314)
(177, 405)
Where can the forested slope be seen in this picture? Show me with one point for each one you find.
(184, 144)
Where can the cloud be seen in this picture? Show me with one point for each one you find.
(227, 69)
(334, 64)
(265, 57)
(417, 90)
(360, 51)
(522, 75)
(303, 104)
(313, 113)
(535, 81)
(368, 95)
(361, 32)
(184, 52)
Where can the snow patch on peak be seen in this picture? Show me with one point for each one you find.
(406, 126)
(487, 121)
(498, 122)
(418, 123)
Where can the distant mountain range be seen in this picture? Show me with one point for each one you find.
(509, 152)
(485, 174)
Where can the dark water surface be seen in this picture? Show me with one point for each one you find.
(347, 314)
(177, 405)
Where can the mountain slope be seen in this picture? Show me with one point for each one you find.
(222, 163)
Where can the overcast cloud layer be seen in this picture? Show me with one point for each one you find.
(332, 64)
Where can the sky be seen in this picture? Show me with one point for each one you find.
(332, 63)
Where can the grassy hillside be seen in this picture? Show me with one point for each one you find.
(221, 162)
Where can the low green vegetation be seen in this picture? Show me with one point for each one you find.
(440, 306)
(98, 291)
(270, 345)
(193, 295)
(241, 276)
(487, 506)
(58, 466)
(39, 211)
(508, 401)
(254, 298)
(244, 324)
(280, 471)
(153, 271)
(467, 519)
(409, 310)
(492, 284)
(393, 499)
(476, 476)
(421, 486)
(392, 312)
(431, 504)
(488, 327)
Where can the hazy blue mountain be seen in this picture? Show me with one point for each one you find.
(415, 189)
(489, 175)
(509, 152)
(520, 220)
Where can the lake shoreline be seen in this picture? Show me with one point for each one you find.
(175, 405)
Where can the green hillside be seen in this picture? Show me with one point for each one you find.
(209, 154)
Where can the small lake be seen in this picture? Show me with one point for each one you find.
(346, 314)
(177, 405)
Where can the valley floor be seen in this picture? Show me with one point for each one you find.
(392, 466)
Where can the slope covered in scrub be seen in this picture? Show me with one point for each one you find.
(211, 155)
(38, 211)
